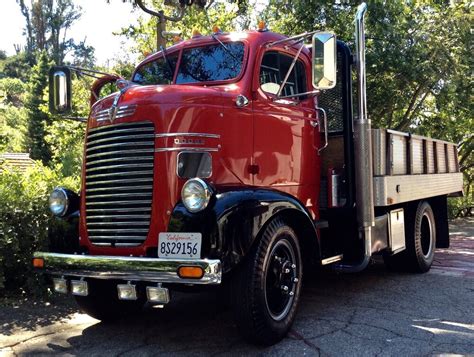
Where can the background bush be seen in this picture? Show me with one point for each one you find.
(24, 224)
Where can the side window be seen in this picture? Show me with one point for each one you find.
(158, 71)
(274, 67)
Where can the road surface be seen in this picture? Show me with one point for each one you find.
(372, 313)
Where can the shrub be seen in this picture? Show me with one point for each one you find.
(24, 222)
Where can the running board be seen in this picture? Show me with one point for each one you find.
(331, 260)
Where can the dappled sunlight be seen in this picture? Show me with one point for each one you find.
(439, 328)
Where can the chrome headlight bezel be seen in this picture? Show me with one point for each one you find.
(196, 195)
(58, 202)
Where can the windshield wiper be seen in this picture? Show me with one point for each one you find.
(167, 61)
(214, 36)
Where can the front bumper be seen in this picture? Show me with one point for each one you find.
(129, 268)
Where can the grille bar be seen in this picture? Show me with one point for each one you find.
(119, 183)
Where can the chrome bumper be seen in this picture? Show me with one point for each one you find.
(128, 268)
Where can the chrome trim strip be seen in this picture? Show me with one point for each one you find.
(135, 237)
(131, 209)
(127, 173)
(127, 194)
(94, 183)
(125, 216)
(186, 149)
(118, 223)
(200, 135)
(112, 138)
(121, 152)
(130, 202)
(129, 268)
(120, 144)
(119, 188)
(114, 159)
(131, 230)
(121, 131)
(119, 166)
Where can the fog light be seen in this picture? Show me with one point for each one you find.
(127, 292)
(158, 294)
(60, 285)
(190, 272)
(79, 287)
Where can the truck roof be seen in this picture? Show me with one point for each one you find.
(253, 38)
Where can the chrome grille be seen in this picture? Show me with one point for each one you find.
(119, 183)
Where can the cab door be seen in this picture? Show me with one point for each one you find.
(286, 137)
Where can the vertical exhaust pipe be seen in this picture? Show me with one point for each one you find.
(363, 151)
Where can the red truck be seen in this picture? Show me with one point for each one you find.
(236, 159)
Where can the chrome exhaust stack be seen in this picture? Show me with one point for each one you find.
(363, 151)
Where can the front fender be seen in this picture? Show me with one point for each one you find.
(234, 218)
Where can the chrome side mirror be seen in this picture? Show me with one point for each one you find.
(60, 101)
(324, 60)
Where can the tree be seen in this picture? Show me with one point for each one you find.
(47, 23)
(219, 13)
(418, 62)
(36, 105)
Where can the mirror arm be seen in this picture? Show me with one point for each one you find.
(282, 85)
(300, 37)
(313, 92)
(79, 119)
(88, 72)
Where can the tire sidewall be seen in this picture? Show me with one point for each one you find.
(282, 326)
(424, 210)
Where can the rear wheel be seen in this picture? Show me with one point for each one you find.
(266, 290)
(420, 241)
(103, 303)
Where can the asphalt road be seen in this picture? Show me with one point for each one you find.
(372, 313)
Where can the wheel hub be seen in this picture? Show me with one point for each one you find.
(281, 279)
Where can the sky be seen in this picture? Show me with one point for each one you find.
(107, 46)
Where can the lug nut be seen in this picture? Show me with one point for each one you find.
(295, 280)
(293, 266)
(287, 270)
(291, 293)
(284, 288)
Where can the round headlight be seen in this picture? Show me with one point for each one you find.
(58, 202)
(196, 195)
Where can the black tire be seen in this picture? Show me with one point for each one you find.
(420, 241)
(264, 309)
(103, 303)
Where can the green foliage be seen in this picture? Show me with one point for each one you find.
(12, 115)
(224, 15)
(38, 117)
(16, 66)
(24, 222)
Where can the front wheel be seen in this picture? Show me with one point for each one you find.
(267, 288)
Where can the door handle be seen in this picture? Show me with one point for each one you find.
(325, 125)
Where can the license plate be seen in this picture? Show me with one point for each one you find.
(179, 245)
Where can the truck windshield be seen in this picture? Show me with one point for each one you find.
(211, 63)
(157, 71)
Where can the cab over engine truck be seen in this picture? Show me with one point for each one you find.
(236, 158)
